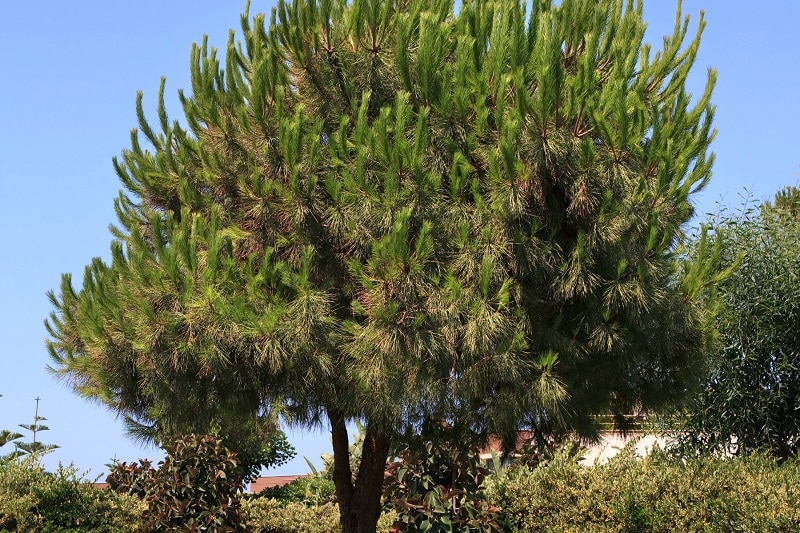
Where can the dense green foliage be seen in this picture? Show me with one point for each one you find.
(267, 447)
(654, 494)
(195, 488)
(751, 398)
(400, 212)
(134, 479)
(33, 500)
(438, 485)
(271, 516)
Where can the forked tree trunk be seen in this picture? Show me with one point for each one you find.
(359, 502)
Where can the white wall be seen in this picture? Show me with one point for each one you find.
(611, 443)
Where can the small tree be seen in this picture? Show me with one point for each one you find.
(34, 448)
(134, 479)
(400, 212)
(195, 488)
(751, 397)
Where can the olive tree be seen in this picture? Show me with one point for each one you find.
(751, 396)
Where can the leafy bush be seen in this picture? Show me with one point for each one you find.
(134, 478)
(32, 499)
(438, 485)
(196, 488)
(655, 494)
(268, 515)
(750, 393)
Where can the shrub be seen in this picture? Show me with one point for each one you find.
(438, 485)
(133, 479)
(656, 494)
(32, 499)
(267, 515)
(196, 488)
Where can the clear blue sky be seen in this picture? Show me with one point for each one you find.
(70, 74)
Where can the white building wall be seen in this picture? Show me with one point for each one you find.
(611, 443)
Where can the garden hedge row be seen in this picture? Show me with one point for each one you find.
(34, 500)
(654, 494)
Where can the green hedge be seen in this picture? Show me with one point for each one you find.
(655, 494)
(34, 500)
(267, 515)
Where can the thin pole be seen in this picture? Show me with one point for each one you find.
(36, 421)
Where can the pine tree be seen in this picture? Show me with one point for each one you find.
(404, 214)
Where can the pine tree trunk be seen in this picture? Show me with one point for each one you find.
(359, 502)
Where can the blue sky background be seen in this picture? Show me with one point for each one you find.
(70, 72)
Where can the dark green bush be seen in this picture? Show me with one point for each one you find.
(438, 486)
(654, 494)
(196, 488)
(133, 479)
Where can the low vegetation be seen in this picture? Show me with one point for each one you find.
(33, 499)
(658, 493)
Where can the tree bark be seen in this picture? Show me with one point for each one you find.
(359, 502)
(342, 475)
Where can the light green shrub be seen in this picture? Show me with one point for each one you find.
(267, 515)
(655, 494)
(34, 500)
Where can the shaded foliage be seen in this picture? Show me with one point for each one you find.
(751, 397)
(134, 479)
